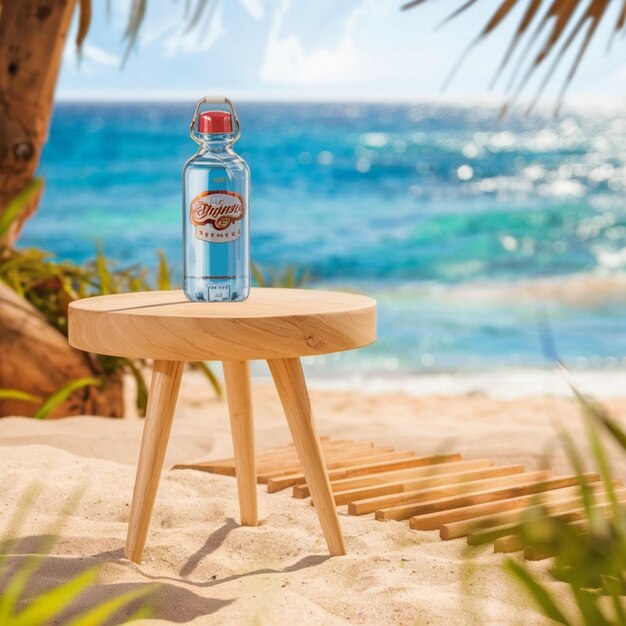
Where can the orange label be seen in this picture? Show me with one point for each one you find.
(217, 215)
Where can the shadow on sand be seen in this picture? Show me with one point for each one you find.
(174, 599)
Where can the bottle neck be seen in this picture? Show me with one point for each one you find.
(216, 142)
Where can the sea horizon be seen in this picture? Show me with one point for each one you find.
(478, 238)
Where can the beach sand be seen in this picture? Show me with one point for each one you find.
(211, 571)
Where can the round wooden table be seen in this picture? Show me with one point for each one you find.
(277, 325)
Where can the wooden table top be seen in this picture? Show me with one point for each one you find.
(271, 323)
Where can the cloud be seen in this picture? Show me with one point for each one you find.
(198, 38)
(287, 60)
(92, 56)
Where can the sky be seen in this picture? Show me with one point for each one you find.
(303, 50)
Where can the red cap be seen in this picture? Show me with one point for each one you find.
(215, 122)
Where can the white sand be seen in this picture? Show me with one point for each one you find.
(211, 571)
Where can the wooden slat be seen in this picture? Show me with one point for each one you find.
(425, 483)
(381, 478)
(572, 515)
(343, 463)
(483, 523)
(437, 493)
(276, 484)
(333, 459)
(536, 554)
(288, 453)
(508, 544)
(489, 495)
(434, 521)
(292, 456)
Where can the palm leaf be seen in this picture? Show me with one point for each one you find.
(19, 204)
(16, 394)
(84, 20)
(258, 276)
(55, 400)
(538, 592)
(141, 401)
(163, 273)
(566, 21)
(48, 605)
(104, 274)
(102, 613)
(208, 372)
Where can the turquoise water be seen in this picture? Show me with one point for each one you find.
(468, 231)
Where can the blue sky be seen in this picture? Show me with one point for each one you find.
(325, 49)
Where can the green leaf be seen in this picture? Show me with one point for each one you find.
(100, 614)
(104, 274)
(538, 592)
(19, 204)
(56, 399)
(163, 275)
(590, 413)
(16, 394)
(208, 372)
(588, 608)
(46, 606)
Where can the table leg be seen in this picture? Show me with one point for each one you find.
(156, 431)
(291, 386)
(237, 379)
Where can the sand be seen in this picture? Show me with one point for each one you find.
(211, 571)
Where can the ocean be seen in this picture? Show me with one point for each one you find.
(489, 246)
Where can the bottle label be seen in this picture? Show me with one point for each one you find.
(217, 215)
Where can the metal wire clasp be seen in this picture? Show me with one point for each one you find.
(213, 100)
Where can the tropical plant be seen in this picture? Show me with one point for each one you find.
(588, 546)
(565, 21)
(50, 286)
(289, 277)
(18, 607)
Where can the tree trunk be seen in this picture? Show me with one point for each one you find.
(32, 37)
(36, 358)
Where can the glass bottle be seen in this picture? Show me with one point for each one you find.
(216, 231)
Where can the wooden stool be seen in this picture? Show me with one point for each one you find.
(277, 325)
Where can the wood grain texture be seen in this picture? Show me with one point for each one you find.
(270, 324)
(371, 505)
(276, 484)
(454, 530)
(237, 381)
(164, 387)
(333, 464)
(533, 485)
(487, 535)
(414, 484)
(380, 478)
(333, 461)
(434, 521)
(273, 454)
(294, 397)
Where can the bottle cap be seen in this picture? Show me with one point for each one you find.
(215, 122)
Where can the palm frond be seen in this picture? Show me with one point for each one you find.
(567, 22)
(84, 21)
(137, 15)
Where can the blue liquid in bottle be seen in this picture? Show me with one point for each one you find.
(216, 220)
